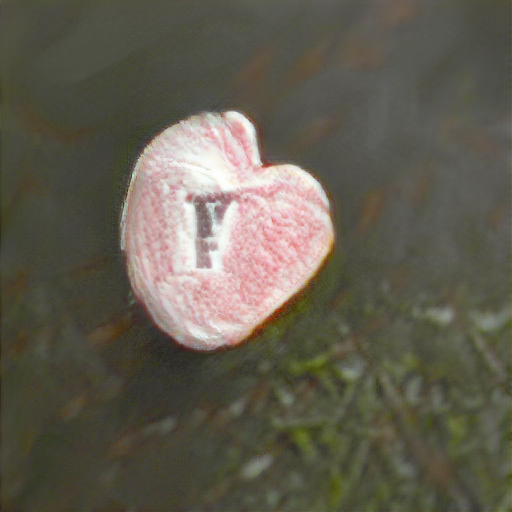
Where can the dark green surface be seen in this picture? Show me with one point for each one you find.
(385, 386)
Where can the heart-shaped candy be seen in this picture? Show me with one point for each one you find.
(214, 240)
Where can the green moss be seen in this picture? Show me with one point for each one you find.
(336, 482)
(314, 366)
(304, 441)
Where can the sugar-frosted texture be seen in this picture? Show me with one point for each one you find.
(215, 241)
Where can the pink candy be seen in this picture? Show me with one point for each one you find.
(214, 240)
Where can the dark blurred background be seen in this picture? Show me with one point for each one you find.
(386, 386)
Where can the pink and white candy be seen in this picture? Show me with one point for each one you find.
(214, 240)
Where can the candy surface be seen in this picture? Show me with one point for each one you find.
(214, 240)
